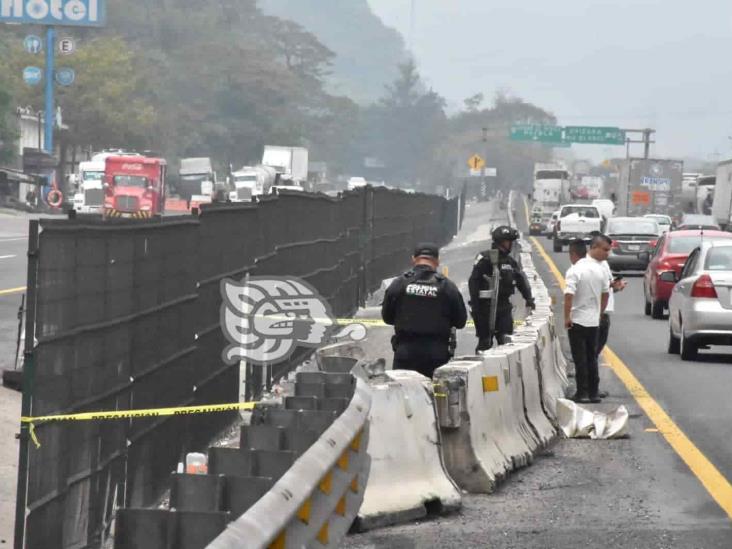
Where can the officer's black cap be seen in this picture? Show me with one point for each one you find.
(427, 249)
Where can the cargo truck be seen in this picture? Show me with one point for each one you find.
(195, 176)
(250, 182)
(722, 205)
(89, 196)
(551, 189)
(650, 185)
(134, 186)
(290, 162)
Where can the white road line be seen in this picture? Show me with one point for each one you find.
(13, 239)
(6, 256)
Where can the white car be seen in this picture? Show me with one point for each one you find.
(576, 221)
(664, 222)
(700, 308)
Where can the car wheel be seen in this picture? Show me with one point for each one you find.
(647, 307)
(674, 344)
(557, 245)
(688, 349)
(657, 310)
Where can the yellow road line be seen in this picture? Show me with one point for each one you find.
(10, 291)
(713, 481)
(548, 260)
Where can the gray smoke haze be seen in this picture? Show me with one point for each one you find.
(629, 63)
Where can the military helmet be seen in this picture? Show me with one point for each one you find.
(504, 232)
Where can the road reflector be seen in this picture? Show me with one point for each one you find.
(279, 542)
(356, 442)
(490, 384)
(323, 534)
(651, 430)
(304, 512)
(341, 507)
(326, 485)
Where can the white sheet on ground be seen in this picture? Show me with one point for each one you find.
(578, 422)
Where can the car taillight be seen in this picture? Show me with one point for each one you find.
(652, 243)
(703, 287)
(614, 245)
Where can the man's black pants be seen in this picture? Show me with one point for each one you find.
(583, 342)
(603, 332)
(422, 354)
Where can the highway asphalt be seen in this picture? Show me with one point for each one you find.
(13, 260)
(635, 492)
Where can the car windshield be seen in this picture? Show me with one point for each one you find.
(245, 178)
(93, 176)
(551, 174)
(705, 220)
(130, 180)
(581, 210)
(633, 226)
(683, 244)
(719, 259)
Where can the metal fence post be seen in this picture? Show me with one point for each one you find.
(29, 368)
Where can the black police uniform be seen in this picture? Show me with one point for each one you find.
(423, 306)
(510, 276)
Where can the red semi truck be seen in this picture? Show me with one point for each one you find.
(134, 186)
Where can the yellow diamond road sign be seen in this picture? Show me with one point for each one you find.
(475, 162)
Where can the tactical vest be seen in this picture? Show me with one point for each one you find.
(423, 307)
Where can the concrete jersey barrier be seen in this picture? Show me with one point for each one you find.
(316, 500)
(408, 479)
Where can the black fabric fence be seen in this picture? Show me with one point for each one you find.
(127, 317)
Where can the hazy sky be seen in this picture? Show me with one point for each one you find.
(628, 63)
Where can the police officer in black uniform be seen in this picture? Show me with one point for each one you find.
(510, 276)
(424, 307)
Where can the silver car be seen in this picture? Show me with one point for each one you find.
(700, 308)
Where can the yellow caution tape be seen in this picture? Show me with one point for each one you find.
(377, 322)
(132, 414)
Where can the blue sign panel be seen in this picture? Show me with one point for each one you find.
(65, 76)
(33, 44)
(75, 13)
(32, 76)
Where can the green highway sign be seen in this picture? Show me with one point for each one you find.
(594, 134)
(536, 132)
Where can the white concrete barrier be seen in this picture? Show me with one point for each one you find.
(479, 445)
(408, 479)
(316, 500)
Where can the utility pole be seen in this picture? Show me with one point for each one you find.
(49, 99)
(645, 140)
(485, 163)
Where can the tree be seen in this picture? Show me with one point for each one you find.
(8, 133)
(406, 126)
(105, 105)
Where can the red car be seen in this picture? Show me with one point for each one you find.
(666, 261)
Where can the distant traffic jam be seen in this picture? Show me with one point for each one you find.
(671, 226)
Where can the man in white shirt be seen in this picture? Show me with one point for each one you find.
(599, 251)
(585, 298)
